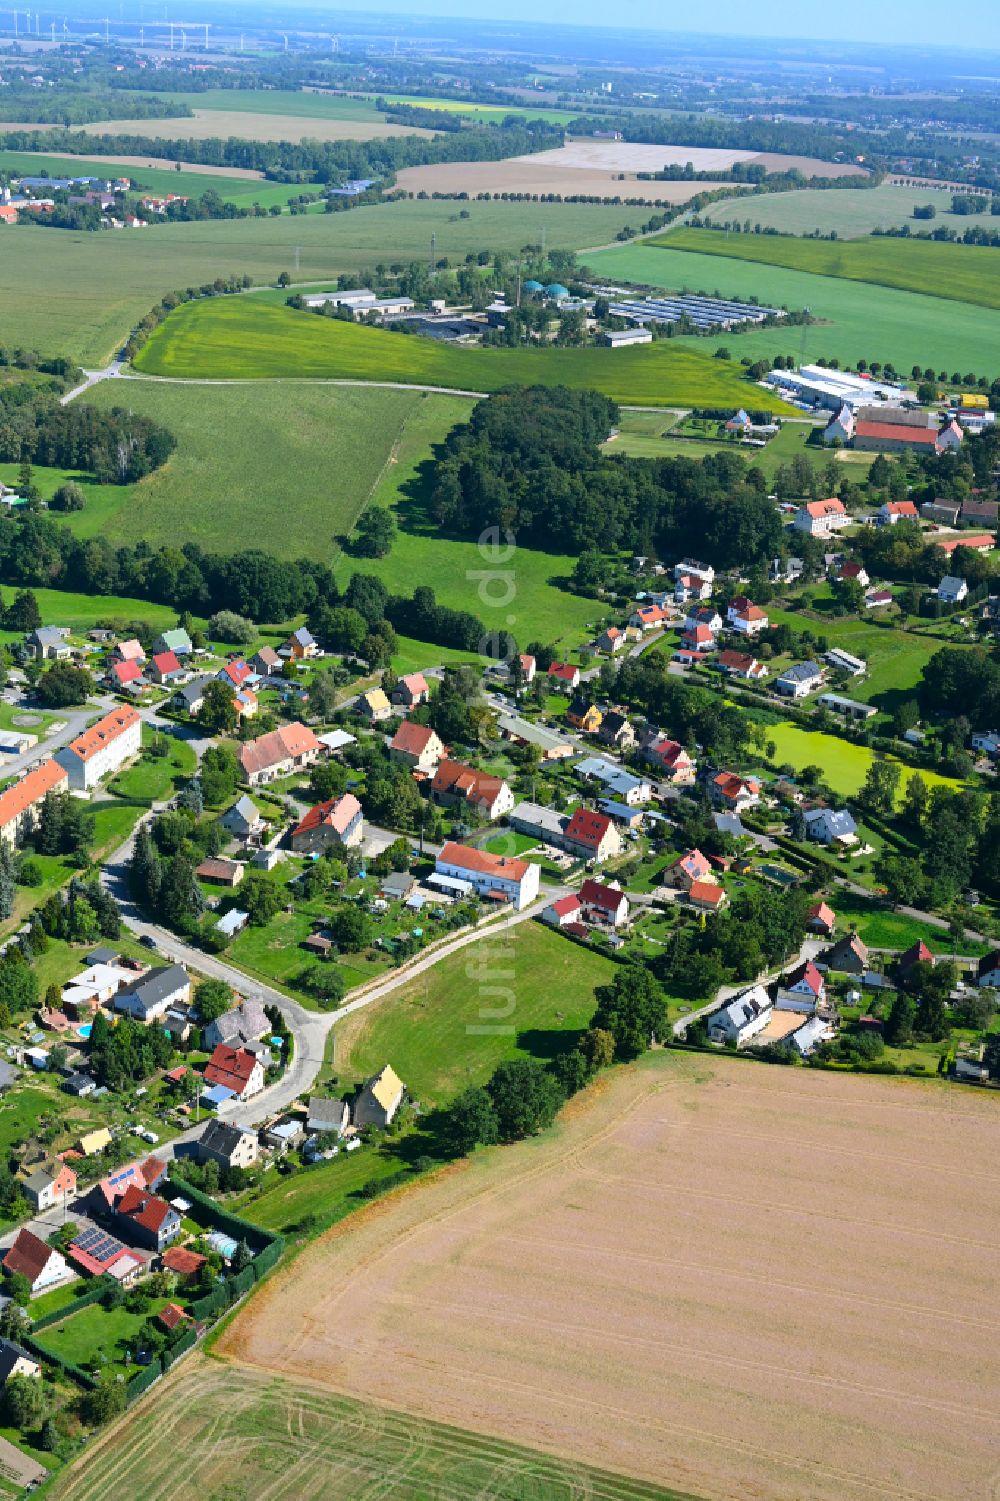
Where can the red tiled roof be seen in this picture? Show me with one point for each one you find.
(28, 1255)
(337, 812)
(182, 1261)
(808, 974)
(820, 508)
(694, 864)
(739, 661)
(165, 663)
(284, 744)
(669, 752)
(170, 1315)
(564, 670)
(707, 892)
(920, 437)
(126, 672)
(823, 914)
(412, 739)
(901, 508)
(566, 904)
(475, 786)
(104, 732)
(597, 894)
(463, 855)
(237, 672)
(144, 1208)
(30, 790)
(415, 683)
(977, 540)
(231, 1067)
(588, 828)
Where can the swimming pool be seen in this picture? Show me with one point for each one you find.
(85, 1030)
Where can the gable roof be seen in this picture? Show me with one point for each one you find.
(186, 1263)
(284, 744)
(222, 1137)
(30, 790)
(920, 437)
(131, 651)
(564, 670)
(599, 894)
(805, 974)
(413, 739)
(28, 1255)
(375, 699)
(231, 1067)
(693, 864)
(822, 913)
(588, 828)
(466, 857)
(818, 509)
(105, 732)
(565, 905)
(414, 683)
(385, 1087)
(166, 662)
(144, 1208)
(129, 671)
(337, 813)
(917, 953)
(479, 787)
(706, 891)
(175, 640)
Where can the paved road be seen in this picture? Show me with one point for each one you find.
(93, 378)
(810, 948)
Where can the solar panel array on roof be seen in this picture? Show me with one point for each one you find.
(98, 1243)
(703, 312)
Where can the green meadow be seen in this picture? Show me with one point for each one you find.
(851, 214)
(855, 319)
(241, 337)
(160, 180)
(81, 294)
(960, 273)
(843, 764)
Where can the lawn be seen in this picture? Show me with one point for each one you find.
(858, 320)
(96, 1329)
(153, 778)
(80, 294)
(81, 612)
(247, 455)
(521, 597)
(843, 764)
(896, 659)
(960, 273)
(19, 1112)
(240, 337)
(851, 214)
(523, 993)
(882, 928)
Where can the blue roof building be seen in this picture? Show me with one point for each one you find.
(556, 290)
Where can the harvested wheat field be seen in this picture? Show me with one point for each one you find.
(207, 124)
(730, 1279)
(531, 174)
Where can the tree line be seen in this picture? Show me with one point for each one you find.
(115, 446)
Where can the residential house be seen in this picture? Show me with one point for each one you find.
(266, 663)
(806, 1039)
(237, 674)
(551, 745)
(739, 664)
(93, 987)
(691, 586)
(92, 1142)
(611, 641)
(230, 1146)
(734, 793)
(892, 511)
(235, 1069)
(650, 617)
(102, 749)
(848, 956)
(177, 641)
(150, 1221)
(327, 1115)
(48, 643)
(984, 513)
(739, 1020)
(126, 677)
(338, 822)
(373, 706)
(799, 680)
(821, 919)
(219, 872)
(32, 1258)
(457, 785)
(592, 835)
(584, 716)
(15, 1361)
(616, 730)
(244, 819)
(746, 617)
(917, 953)
(944, 512)
(692, 568)
(707, 896)
(243, 1024)
(99, 1254)
(988, 971)
(50, 1185)
(184, 1263)
(853, 573)
(379, 1099)
(21, 804)
(704, 615)
(301, 646)
(565, 675)
(129, 651)
(803, 989)
(191, 696)
(682, 873)
(831, 826)
(603, 903)
(165, 667)
(626, 787)
(564, 911)
(987, 743)
(233, 921)
(288, 749)
(878, 599)
(528, 668)
(699, 640)
(416, 746)
(154, 994)
(821, 518)
(411, 690)
(494, 877)
(952, 591)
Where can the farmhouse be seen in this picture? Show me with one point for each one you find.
(21, 805)
(290, 748)
(742, 1018)
(739, 664)
(416, 746)
(897, 437)
(456, 785)
(102, 749)
(491, 876)
(542, 823)
(338, 822)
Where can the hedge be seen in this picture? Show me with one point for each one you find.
(187, 1342)
(94, 1293)
(143, 1381)
(269, 1257)
(240, 1283)
(81, 1377)
(232, 1224)
(212, 1303)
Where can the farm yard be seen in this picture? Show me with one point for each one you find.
(245, 337)
(855, 319)
(852, 215)
(961, 273)
(80, 294)
(870, 1285)
(208, 1436)
(310, 455)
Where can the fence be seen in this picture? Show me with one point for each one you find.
(94, 1293)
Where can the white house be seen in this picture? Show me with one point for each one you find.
(952, 591)
(746, 617)
(564, 910)
(801, 990)
(603, 903)
(820, 518)
(988, 971)
(32, 1258)
(831, 826)
(21, 804)
(102, 749)
(799, 680)
(490, 876)
(742, 1018)
(840, 428)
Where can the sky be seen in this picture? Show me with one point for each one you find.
(915, 22)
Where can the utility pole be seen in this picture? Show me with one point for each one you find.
(434, 240)
(297, 249)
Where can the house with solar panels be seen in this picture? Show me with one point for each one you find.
(96, 1252)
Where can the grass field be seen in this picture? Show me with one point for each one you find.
(242, 190)
(896, 659)
(881, 928)
(581, 1291)
(240, 337)
(214, 1430)
(851, 214)
(288, 468)
(441, 1032)
(81, 612)
(843, 764)
(858, 320)
(80, 294)
(959, 273)
(98, 1329)
(649, 435)
(487, 111)
(538, 609)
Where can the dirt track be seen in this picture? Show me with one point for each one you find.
(736, 1280)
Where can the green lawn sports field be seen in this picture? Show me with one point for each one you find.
(857, 320)
(240, 337)
(81, 294)
(851, 213)
(961, 273)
